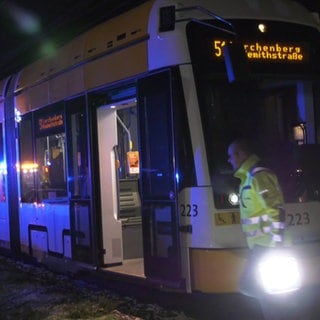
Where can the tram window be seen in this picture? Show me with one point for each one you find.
(28, 167)
(263, 112)
(127, 153)
(50, 157)
(78, 156)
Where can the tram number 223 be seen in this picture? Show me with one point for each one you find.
(298, 219)
(188, 210)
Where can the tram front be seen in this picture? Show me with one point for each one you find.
(270, 94)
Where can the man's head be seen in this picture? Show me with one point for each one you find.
(239, 150)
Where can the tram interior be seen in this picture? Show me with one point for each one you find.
(127, 167)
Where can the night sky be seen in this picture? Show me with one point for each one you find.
(31, 29)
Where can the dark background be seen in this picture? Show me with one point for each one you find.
(30, 29)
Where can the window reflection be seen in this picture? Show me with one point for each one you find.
(79, 171)
(42, 158)
(51, 175)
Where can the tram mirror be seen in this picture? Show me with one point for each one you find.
(236, 62)
(167, 18)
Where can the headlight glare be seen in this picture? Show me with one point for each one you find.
(279, 273)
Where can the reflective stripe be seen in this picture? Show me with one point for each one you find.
(264, 191)
(278, 225)
(253, 220)
(266, 229)
(255, 233)
(277, 238)
(258, 169)
(264, 218)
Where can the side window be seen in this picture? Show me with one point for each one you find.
(156, 137)
(28, 168)
(50, 157)
(43, 156)
(79, 186)
(50, 154)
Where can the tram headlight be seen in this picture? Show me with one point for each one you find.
(233, 198)
(279, 273)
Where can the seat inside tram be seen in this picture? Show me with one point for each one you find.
(130, 215)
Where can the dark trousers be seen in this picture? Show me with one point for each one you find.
(249, 283)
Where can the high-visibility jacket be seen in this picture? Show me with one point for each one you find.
(261, 200)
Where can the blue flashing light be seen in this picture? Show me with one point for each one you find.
(3, 167)
(177, 177)
(17, 115)
(301, 102)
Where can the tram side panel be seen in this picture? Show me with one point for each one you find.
(44, 208)
(45, 223)
(44, 229)
(4, 212)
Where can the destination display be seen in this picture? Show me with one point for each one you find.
(50, 122)
(267, 51)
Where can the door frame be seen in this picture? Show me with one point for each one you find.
(159, 191)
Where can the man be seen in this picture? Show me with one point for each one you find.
(262, 216)
(261, 198)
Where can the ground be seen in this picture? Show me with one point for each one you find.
(33, 292)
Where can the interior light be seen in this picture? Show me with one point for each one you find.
(17, 115)
(299, 133)
(28, 167)
(233, 198)
(262, 27)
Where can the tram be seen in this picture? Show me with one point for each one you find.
(114, 150)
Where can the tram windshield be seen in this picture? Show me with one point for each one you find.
(275, 107)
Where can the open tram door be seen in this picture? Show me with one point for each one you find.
(119, 175)
(139, 216)
(162, 257)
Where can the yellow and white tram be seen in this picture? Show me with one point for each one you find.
(114, 150)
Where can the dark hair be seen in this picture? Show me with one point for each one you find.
(244, 145)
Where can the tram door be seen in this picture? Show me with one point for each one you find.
(119, 183)
(111, 224)
(158, 179)
(79, 183)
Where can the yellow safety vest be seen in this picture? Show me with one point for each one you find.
(261, 200)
